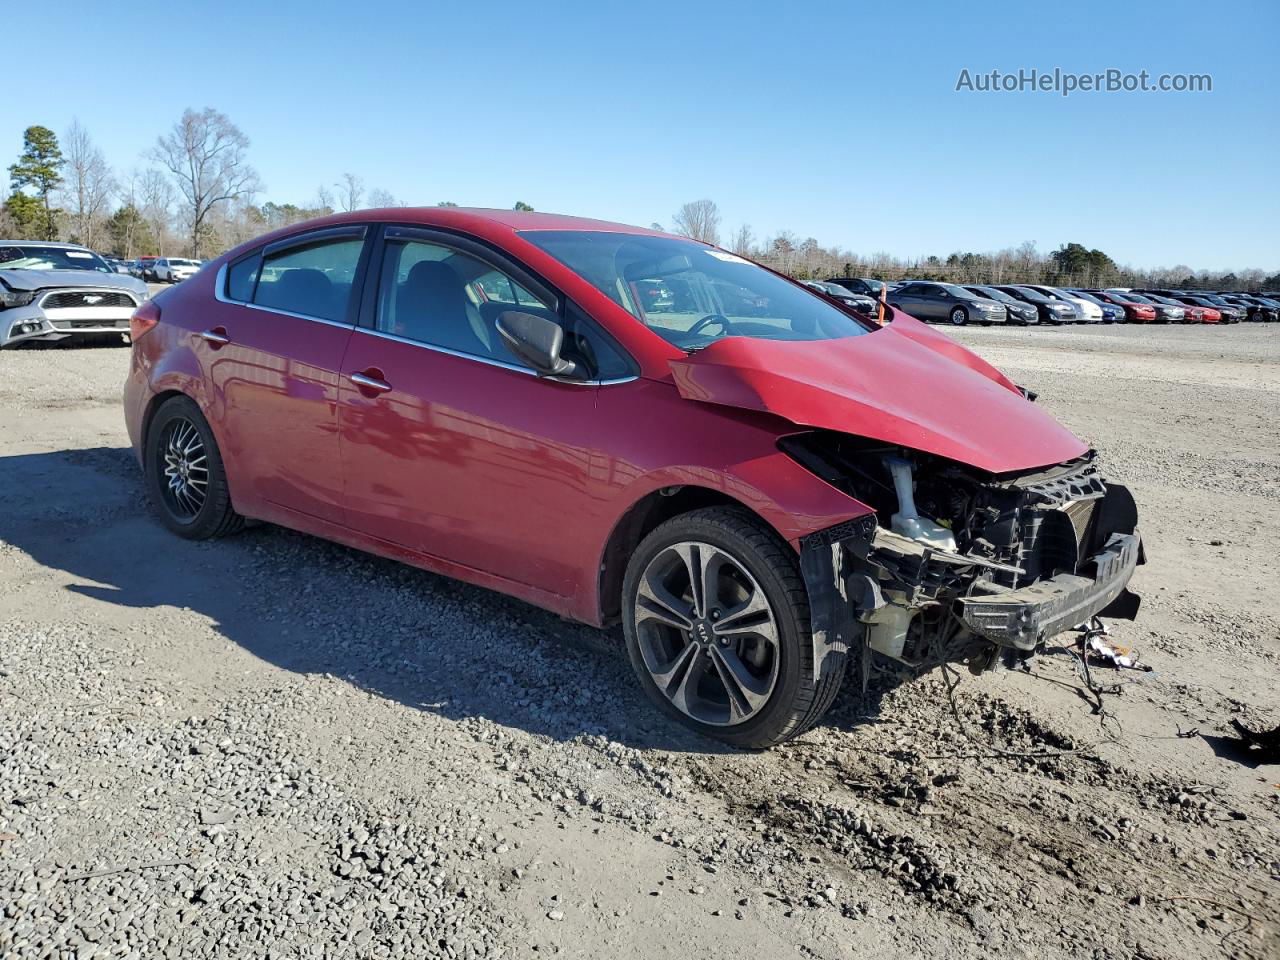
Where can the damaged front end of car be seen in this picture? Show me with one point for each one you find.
(957, 565)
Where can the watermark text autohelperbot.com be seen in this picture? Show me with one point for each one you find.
(1066, 83)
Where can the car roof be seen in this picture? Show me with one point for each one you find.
(44, 243)
(479, 221)
(464, 217)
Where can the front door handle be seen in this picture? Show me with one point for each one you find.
(368, 381)
(217, 337)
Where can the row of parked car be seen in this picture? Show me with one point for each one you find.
(1033, 303)
(157, 269)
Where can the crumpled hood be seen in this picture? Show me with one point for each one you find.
(42, 279)
(904, 384)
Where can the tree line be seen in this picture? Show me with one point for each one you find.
(195, 194)
(1071, 265)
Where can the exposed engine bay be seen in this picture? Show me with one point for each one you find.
(959, 565)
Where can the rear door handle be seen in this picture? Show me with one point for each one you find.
(217, 336)
(368, 382)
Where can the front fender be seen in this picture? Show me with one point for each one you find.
(790, 499)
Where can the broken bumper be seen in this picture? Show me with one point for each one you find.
(1021, 618)
(20, 324)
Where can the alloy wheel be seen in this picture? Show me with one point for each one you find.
(707, 634)
(185, 483)
(959, 317)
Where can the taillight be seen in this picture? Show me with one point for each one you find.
(143, 319)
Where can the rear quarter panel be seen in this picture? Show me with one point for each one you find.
(164, 361)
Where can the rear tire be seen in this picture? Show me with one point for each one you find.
(184, 473)
(735, 663)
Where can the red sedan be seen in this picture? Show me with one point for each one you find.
(617, 424)
(1195, 314)
(1134, 311)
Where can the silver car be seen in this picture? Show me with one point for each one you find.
(945, 301)
(52, 291)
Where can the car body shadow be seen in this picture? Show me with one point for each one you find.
(313, 607)
(95, 341)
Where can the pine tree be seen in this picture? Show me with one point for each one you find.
(40, 166)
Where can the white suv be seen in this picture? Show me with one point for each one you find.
(173, 269)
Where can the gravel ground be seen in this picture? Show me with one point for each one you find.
(271, 746)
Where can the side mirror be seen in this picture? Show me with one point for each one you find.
(537, 341)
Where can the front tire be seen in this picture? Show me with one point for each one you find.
(716, 618)
(959, 316)
(184, 473)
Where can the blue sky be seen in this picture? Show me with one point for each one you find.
(833, 120)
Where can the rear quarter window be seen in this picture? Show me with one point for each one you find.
(242, 277)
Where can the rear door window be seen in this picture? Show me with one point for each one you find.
(314, 280)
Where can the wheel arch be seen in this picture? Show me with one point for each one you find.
(637, 522)
(154, 404)
(162, 396)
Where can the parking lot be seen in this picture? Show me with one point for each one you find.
(209, 749)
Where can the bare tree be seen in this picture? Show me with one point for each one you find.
(781, 250)
(350, 191)
(699, 220)
(127, 194)
(237, 222)
(383, 198)
(205, 153)
(89, 184)
(324, 201)
(155, 193)
(743, 240)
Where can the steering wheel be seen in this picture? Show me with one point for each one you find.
(709, 319)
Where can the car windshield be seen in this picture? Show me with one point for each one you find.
(960, 293)
(838, 291)
(692, 295)
(1035, 295)
(175, 262)
(1086, 296)
(1133, 297)
(991, 293)
(32, 257)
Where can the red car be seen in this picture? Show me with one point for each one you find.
(617, 424)
(1134, 312)
(1194, 314)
